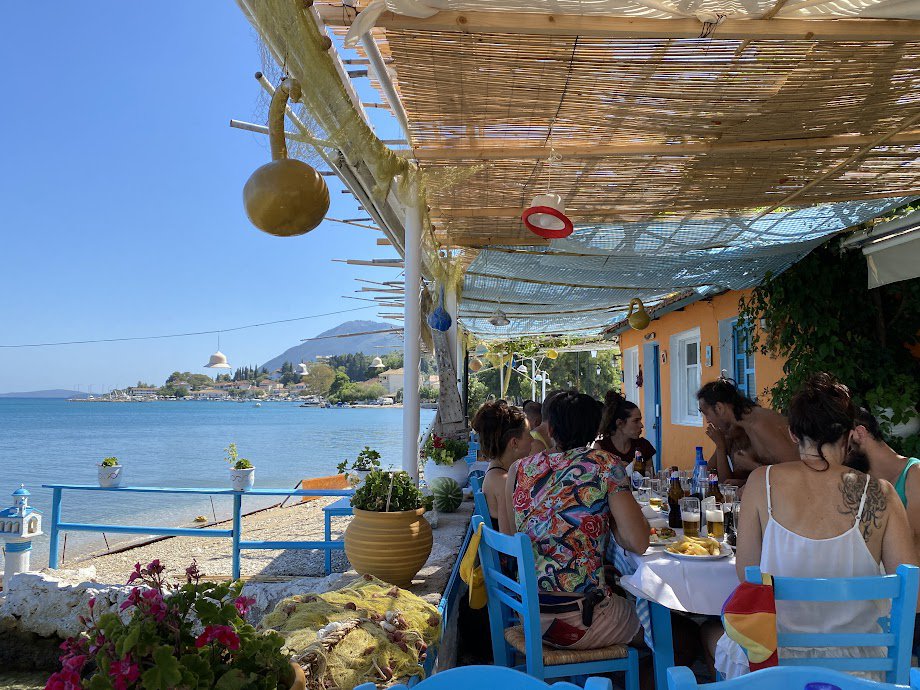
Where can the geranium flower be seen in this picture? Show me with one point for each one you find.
(124, 672)
(136, 574)
(64, 680)
(222, 634)
(192, 573)
(155, 605)
(243, 604)
(133, 599)
(74, 663)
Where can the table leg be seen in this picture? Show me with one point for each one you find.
(663, 652)
(328, 549)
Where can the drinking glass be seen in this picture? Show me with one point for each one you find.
(715, 521)
(731, 536)
(729, 493)
(645, 491)
(655, 496)
(690, 516)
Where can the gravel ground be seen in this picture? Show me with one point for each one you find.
(22, 681)
(299, 521)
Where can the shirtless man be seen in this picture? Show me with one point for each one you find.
(724, 407)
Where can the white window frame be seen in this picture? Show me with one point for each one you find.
(679, 367)
(630, 372)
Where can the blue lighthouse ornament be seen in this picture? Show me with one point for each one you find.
(439, 319)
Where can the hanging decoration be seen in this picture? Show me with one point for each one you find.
(475, 364)
(551, 354)
(302, 369)
(285, 197)
(377, 363)
(546, 215)
(639, 320)
(439, 319)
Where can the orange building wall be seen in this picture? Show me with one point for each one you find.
(679, 441)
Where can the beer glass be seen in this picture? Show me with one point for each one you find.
(655, 496)
(690, 516)
(715, 521)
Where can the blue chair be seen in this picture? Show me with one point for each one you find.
(490, 678)
(897, 629)
(518, 597)
(476, 481)
(482, 507)
(788, 678)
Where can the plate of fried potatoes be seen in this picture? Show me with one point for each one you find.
(698, 549)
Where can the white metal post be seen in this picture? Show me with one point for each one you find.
(533, 379)
(543, 387)
(412, 335)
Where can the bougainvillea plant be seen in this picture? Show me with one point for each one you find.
(190, 635)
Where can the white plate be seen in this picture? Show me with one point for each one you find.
(726, 551)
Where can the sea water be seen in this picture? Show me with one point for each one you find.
(178, 444)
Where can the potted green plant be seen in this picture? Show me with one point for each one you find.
(367, 460)
(242, 472)
(388, 537)
(192, 635)
(445, 457)
(109, 473)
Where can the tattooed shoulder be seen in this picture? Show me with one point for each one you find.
(852, 485)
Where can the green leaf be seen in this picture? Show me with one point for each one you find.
(129, 641)
(99, 681)
(166, 672)
(234, 679)
(196, 671)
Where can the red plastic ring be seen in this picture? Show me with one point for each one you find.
(567, 229)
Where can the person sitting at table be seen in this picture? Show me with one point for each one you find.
(816, 518)
(540, 433)
(735, 459)
(566, 502)
(870, 454)
(620, 432)
(504, 438)
(534, 412)
(723, 406)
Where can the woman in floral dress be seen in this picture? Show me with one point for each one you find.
(569, 503)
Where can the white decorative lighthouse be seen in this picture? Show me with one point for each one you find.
(19, 525)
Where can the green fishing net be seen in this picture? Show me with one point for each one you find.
(340, 640)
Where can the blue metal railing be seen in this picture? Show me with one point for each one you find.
(235, 533)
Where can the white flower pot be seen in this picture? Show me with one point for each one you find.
(459, 472)
(356, 477)
(109, 477)
(903, 430)
(243, 480)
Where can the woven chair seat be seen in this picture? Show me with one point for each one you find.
(553, 656)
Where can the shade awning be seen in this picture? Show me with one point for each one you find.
(894, 259)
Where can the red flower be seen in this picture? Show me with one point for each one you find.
(521, 499)
(64, 680)
(74, 663)
(133, 599)
(123, 673)
(437, 441)
(222, 634)
(593, 526)
(136, 574)
(243, 604)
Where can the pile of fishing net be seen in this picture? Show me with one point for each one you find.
(368, 631)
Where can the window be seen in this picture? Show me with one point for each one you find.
(685, 378)
(743, 370)
(630, 372)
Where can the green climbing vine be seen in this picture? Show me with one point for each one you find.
(820, 316)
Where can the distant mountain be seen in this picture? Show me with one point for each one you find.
(371, 344)
(56, 393)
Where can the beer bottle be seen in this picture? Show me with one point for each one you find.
(639, 470)
(714, 488)
(675, 493)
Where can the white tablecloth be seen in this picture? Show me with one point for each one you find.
(692, 586)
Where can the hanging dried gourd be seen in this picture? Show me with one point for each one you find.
(285, 197)
(640, 319)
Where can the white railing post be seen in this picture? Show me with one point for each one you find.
(412, 333)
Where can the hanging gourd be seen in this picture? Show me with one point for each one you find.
(439, 319)
(285, 197)
(639, 320)
(475, 364)
(551, 354)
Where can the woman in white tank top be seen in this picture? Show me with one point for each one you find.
(819, 519)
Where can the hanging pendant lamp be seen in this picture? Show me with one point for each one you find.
(546, 215)
(302, 369)
(377, 363)
(218, 359)
(499, 318)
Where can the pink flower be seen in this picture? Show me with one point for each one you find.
(92, 603)
(155, 605)
(136, 574)
(74, 663)
(222, 634)
(192, 572)
(64, 680)
(133, 599)
(243, 604)
(123, 673)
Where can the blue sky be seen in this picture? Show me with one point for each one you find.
(120, 199)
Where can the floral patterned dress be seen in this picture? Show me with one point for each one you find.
(560, 502)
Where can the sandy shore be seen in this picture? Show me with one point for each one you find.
(298, 521)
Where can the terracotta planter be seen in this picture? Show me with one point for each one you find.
(459, 472)
(389, 546)
(300, 682)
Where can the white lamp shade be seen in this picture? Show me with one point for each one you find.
(218, 361)
(377, 363)
(522, 368)
(545, 220)
(499, 318)
(302, 369)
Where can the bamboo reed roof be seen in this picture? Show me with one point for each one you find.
(674, 152)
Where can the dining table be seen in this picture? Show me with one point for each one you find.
(662, 583)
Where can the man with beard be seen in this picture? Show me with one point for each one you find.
(870, 454)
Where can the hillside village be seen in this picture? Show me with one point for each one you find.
(349, 378)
